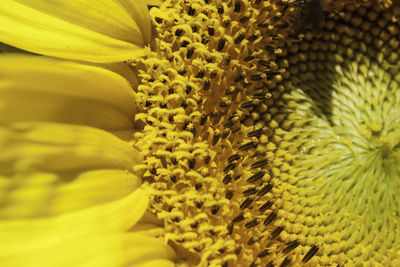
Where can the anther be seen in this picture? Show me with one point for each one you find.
(238, 78)
(237, 7)
(203, 119)
(253, 37)
(246, 203)
(224, 104)
(221, 44)
(248, 104)
(188, 89)
(263, 253)
(227, 179)
(230, 228)
(276, 232)
(250, 191)
(233, 157)
(290, 246)
(270, 218)
(191, 11)
(206, 85)
(238, 218)
(238, 250)
(255, 133)
(251, 223)
(248, 145)
(264, 63)
(265, 190)
(256, 77)
(285, 262)
(265, 206)
(221, 10)
(200, 74)
(259, 96)
(262, 25)
(252, 240)
(229, 194)
(240, 38)
(259, 164)
(184, 43)
(229, 167)
(190, 52)
(249, 58)
(313, 250)
(244, 19)
(215, 209)
(228, 124)
(178, 32)
(207, 159)
(255, 177)
(192, 163)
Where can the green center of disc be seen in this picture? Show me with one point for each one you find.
(342, 126)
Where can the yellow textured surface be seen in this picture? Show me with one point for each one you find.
(271, 136)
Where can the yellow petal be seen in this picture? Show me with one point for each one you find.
(34, 88)
(49, 194)
(95, 31)
(130, 249)
(155, 2)
(23, 235)
(41, 146)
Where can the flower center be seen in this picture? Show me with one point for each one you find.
(342, 126)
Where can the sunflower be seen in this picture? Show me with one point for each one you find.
(200, 133)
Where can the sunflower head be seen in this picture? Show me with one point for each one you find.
(274, 129)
